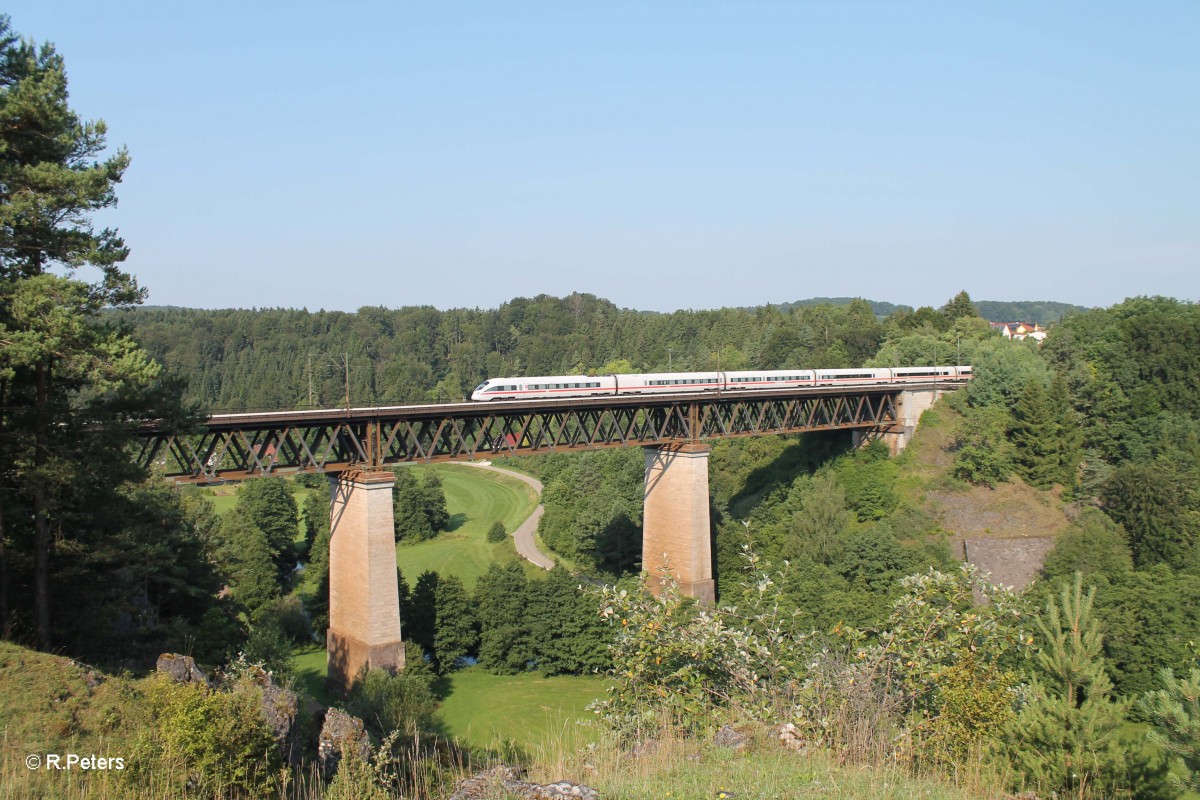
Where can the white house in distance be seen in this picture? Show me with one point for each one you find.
(1020, 330)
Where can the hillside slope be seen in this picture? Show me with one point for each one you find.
(1018, 522)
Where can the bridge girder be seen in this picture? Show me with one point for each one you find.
(241, 446)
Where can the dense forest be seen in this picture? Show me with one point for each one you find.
(843, 611)
(276, 358)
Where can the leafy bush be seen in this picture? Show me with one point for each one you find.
(869, 478)
(289, 615)
(389, 702)
(679, 665)
(270, 646)
(982, 454)
(496, 533)
(215, 741)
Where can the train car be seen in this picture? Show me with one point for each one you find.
(670, 382)
(546, 386)
(846, 377)
(926, 374)
(769, 379)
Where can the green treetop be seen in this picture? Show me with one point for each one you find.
(960, 306)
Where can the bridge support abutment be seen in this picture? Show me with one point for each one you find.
(364, 602)
(910, 405)
(677, 536)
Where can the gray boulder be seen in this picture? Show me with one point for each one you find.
(280, 709)
(181, 669)
(341, 735)
(511, 780)
(730, 737)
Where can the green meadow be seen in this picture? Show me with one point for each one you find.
(528, 711)
(475, 499)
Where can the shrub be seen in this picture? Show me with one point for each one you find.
(215, 741)
(401, 702)
(269, 645)
(983, 454)
(496, 533)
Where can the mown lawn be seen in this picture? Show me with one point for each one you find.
(475, 499)
(526, 711)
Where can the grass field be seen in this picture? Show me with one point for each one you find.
(490, 711)
(527, 711)
(475, 499)
(310, 665)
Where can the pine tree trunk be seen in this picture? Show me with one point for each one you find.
(41, 517)
(3, 577)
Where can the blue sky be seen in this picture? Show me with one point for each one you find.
(661, 154)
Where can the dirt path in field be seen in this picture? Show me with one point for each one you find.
(523, 535)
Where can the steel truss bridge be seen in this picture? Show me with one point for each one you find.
(232, 447)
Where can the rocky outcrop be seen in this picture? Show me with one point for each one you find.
(511, 780)
(280, 710)
(341, 735)
(181, 669)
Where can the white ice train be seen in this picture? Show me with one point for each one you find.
(550, 386)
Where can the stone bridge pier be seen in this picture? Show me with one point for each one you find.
(364, 602)
(677, 537)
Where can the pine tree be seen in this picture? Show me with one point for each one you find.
(1066, 740)
(315, 515)
(1068, 433)
(1151, 502)
(434, 502)
(1033, 435)
(456, 634)
(500, 599)
(567, 634)
(252, 577)
(269, 505)
(421, 625)
(408, 507)
(960, 306)
(1175, 712)
(72, 386)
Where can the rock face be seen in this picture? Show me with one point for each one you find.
(181, 669)
(1009, 562)
(341, 735)
(510, 779)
